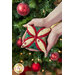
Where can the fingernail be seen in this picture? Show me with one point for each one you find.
(24, 25)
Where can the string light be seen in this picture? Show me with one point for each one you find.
(21, 53)
(43, 70)
(49, 59)
(29, 53)
(60, 39)
(32, 59)
(59, 51)
(21, 61)
(38, 59)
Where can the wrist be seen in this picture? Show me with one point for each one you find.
(46, 23)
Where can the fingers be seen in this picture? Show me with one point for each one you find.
(52, 39)
(36, 22)
(29, 23)
(24, 36)
(32, 49)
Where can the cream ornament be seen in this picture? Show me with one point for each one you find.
(18, 68)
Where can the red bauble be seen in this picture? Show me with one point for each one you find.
(60, 60)
(36, 67)
(23, 9)
(54, 56)
(27, 68)
(19, 42)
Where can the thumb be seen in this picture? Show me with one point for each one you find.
(29, 23)
(52, 39)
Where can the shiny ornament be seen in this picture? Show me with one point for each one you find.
(23, 9)
(18, 68)
(54, 56)
(19, 42)
(36, 67)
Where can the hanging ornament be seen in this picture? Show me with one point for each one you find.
(19, 42)
(36, 67)
(18, 68)
(60, 60)
(54, 56)
(23, 9)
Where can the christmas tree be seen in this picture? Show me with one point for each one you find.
(33, 9)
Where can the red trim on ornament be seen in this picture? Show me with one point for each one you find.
(38, 45)
(30, 43)
(30, 32)
(42, 35)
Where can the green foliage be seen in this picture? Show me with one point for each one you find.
(38, 8)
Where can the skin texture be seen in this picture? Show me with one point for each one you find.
(54, 17)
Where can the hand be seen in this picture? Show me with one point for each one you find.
(39, 22)
(53, 36)
(53, 17)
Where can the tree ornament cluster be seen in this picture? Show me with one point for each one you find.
(23, 9)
